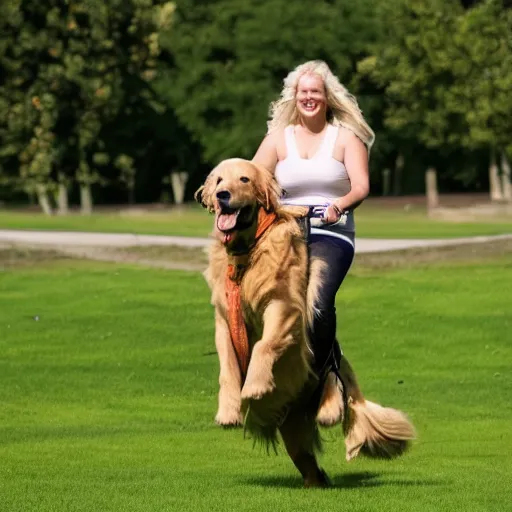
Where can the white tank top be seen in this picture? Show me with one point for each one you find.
(317, 180)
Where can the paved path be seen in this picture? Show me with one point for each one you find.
(76, 239)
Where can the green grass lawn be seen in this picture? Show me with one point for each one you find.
(372, 222)
(108, 389)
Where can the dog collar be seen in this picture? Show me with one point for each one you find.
(265, 220)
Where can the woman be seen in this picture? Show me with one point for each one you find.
(318, 145)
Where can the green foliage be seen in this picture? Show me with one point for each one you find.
(85, 82)
(484, 37)
(446, 73)
(231, 57)
(69, 69)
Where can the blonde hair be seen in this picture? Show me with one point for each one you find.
(342, 106)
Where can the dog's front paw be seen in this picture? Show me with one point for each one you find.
(257, 388)
(228, 418)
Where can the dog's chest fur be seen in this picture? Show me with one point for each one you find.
(276, 269)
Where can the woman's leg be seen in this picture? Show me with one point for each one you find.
(337, 255)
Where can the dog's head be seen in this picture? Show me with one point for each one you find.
(235, 191)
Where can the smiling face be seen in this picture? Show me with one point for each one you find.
(311, 100)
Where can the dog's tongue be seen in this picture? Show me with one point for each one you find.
(226, 221)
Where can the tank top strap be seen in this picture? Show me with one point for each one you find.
(330, 141)
(289, 138)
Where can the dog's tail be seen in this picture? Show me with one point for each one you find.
(369, 428)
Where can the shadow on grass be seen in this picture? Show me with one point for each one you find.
(353, 480)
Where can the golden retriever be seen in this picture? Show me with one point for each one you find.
(262, 289)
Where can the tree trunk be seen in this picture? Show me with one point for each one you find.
(178, 182)
(386, 175)
(494, 180)
(43, 200)
(131, 195)
(431, 189)
(62, 200)
(85, 199)
(506, 184)
(397, 181)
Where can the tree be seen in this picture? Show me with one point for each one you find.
(445, 72)
(68, 70)
(482, 94)
(231, 57)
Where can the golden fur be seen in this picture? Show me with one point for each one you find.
(279, 390)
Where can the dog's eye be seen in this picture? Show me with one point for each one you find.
(244, 179)
(219, 180)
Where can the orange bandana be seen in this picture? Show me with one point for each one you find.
(236, 323)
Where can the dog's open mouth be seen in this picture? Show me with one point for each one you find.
(230, 220)
(226, 220)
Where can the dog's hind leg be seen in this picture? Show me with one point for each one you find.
(331, 404)
(301, 438)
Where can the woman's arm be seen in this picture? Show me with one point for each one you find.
(267, 153)
(356, 162)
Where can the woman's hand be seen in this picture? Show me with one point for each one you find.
(332, 214)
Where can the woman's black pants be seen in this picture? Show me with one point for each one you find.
(337, 254)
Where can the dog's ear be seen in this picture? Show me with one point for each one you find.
(203, 194)
(198, 196)
(268, 189)
(268, 201)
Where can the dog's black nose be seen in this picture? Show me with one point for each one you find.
(223, 195)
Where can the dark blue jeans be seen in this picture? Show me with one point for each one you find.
(338, 255)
